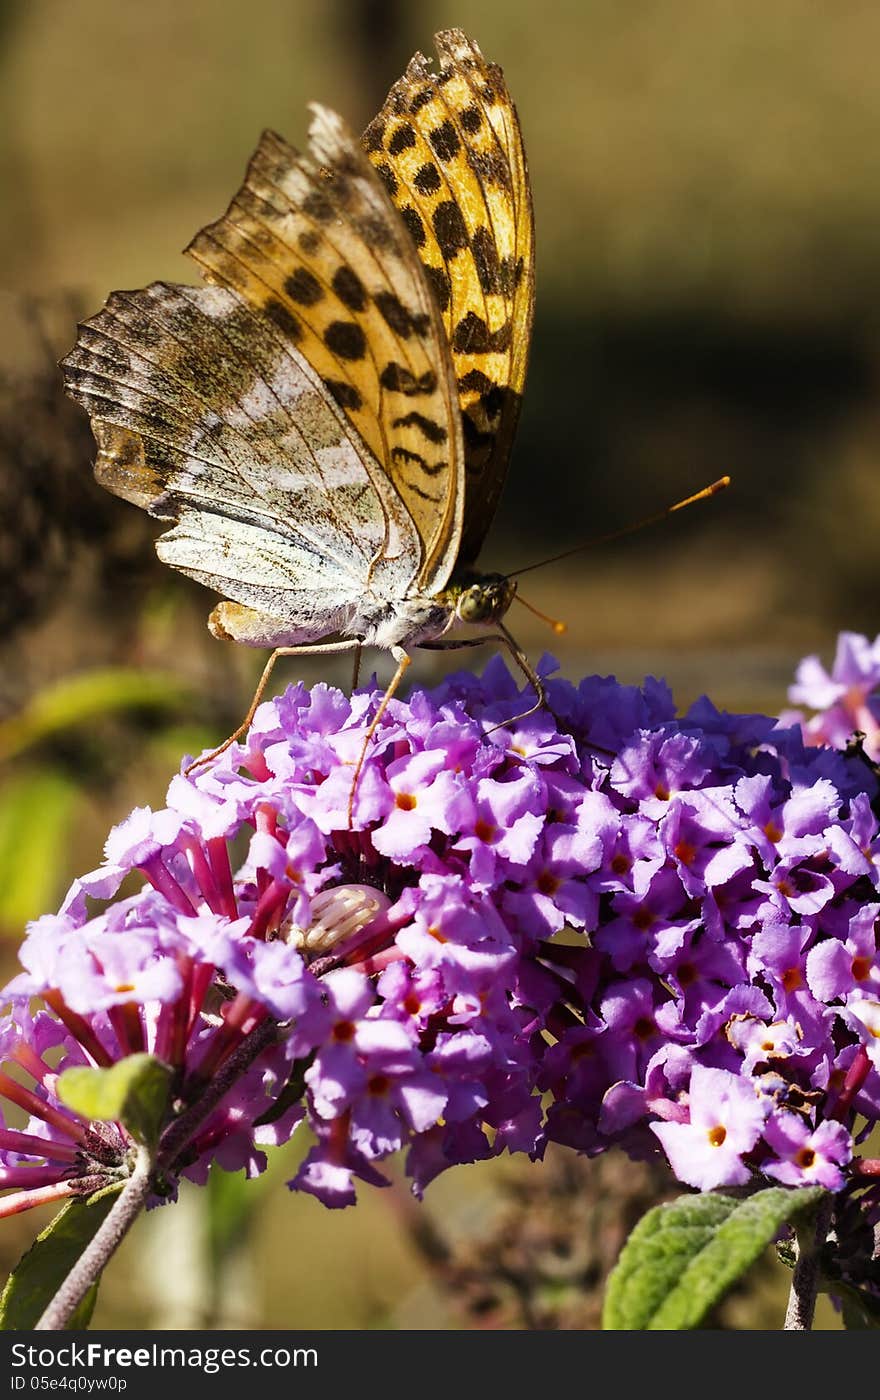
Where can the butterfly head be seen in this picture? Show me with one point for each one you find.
(484, 598)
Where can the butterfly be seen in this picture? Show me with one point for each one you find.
(328, 422)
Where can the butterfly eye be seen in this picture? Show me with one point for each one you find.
(486, 601)
(475, 604)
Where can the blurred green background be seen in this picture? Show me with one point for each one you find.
(708, 301)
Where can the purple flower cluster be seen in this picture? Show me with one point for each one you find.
(601, 924)
(847, 700)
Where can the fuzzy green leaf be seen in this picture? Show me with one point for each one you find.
(40, 1272)
(682, 1257)
(134, 1091)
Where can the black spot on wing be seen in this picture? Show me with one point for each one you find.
(492, 400)
(375, 230)
(397, 317)
(402, 139)
(400, 380)
(345, 394)
(421, 99)
(486, 261)
(471, 120)
(449, 229)
(472, 336)
(318, 207)
(444, 140)
(476, 382)
(349, 288)
(438, 279)
(403, 454)
(427, 178)
(303, 287)
(388, 178)
(282, 318)
(413, 220)
(372, 137)
(434, 432)
(490, 167)
(346, 339)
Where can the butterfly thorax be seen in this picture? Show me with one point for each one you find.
(469, 597)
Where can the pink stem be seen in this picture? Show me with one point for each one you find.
(866, 1166)
(30, 1144)
(161, 879)
(126, 1023)
(202, 873)
(668, 1110)
(17, 1094)
(30, 1061)
(218, 855)
(79, 1028)
(31, 1177)
(271, 901)
(202, 977)
(26, 1200)
(378, 962)
(855, 1078)
(241, 1016)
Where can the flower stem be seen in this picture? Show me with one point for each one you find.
(805, 1280)
(177, 1136)
(90, 1264)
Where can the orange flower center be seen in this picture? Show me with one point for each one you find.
(548, 883)
(792, 979)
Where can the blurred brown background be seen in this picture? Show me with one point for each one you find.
(708, 213)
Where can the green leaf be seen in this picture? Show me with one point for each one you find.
(682, 1257)
(134, 1091)
(860, 1310)
(230, 1206)
(40, 1272)
(83, 698)
(37, 809)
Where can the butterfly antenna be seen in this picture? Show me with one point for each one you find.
(704, 495)
(558, 627)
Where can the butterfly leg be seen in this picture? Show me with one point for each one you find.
(519, 656)
(403, 661)
(356, 674)
(312, 650)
